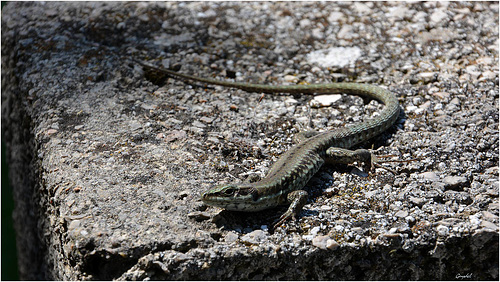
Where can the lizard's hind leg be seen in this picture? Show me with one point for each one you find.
(336, 155)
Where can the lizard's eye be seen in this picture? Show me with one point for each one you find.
(229, 192)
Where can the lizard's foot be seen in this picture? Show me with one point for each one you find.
(297, 199)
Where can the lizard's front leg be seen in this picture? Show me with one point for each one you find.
(297, 199)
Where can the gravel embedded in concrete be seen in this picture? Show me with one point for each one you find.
(108, 161)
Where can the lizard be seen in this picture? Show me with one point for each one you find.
(284, 182)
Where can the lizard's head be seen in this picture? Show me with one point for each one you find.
(235, 197)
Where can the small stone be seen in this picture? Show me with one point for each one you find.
(231, 237)
(473, 71)
(338, 56)
(492, 192)
(175, 135)
(199, 124)
(74, 224)
(425, 106)
(448, 221)
(305, 23)
(442, 230)
(290, 102)
(398, 12)
(455, 101)
(455, 182)
(362, 8)
(371, 194)
(207, 119)
(428, 77)
(325, 208)
(429, 176)
(332, 244)
(234, 108)
(411, 109)
(290, 78)
(335, 17)
(325, 100)
(183, 194)
(488, 216)
(315, 230)
(346, 32)
(307, 237)
(213, 139)
(438, 16)
(492, 170)
(410, 219)
(401, 214)
(51, 131)
(419, 201)
(487, 75)
(320, 241)
(489, 225)
(317, 33)
(254, 238)
(442, 95)
(474, 219)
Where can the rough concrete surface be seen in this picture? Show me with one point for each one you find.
(108, 161)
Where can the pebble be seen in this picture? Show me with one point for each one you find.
(474, 220)
(455, 182)
(442, 230)
(411, 109)
(489, 225)
(175, 135)
(231, 237)
(307, 237)
(325, 242)
(290, 102)
(488, 216)
(213, 139)
(304, 23)
(290, 78)
(438, 16)
(430, 175)
(326, 208)
(488, 75)
(334, 17)
(207, 119)
(441, 95)
(50, 131)
(255, 237)
(473, 71)
(419, 201)
(455, 101)
(199, 124)
(346, 32)
(338, 56)
(362, 8)
(401, 214)
(410, 219)
(325, 100)
(332, 244)
(428, 77)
